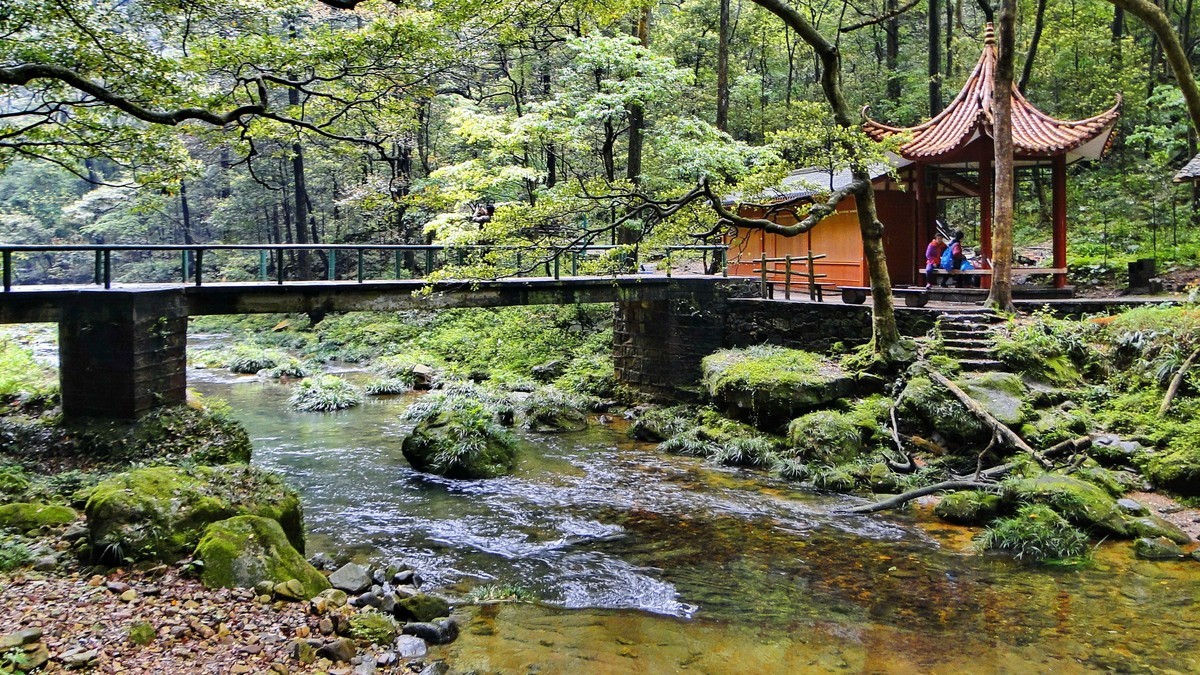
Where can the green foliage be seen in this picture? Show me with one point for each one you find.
(250, 359)
(141, 633)
(1150, 344)
(969, 507)
(1035, 533)
(290, 367)
(770, 384)
(552, 409)
(325, 393)
(13, 554)
(21, 375)
(374, 627)
(383, 386)
(826, 436)
(455, 434)
(1043, 347)
(499, 593)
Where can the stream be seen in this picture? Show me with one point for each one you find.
(651, 563)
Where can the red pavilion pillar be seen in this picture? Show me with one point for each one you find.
(986, 199)
(1058, 181)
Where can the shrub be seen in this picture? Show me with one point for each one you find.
(1046, 348)
(325, 393)
(20, 374)
(289, 366)
(1036, 532)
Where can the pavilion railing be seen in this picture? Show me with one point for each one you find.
(273, 263)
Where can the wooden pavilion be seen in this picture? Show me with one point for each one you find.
(951, 157)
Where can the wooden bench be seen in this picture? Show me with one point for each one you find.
(913, 297)
(987, 272)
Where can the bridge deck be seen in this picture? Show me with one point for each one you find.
(25, 304)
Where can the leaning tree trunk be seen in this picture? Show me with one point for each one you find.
(1160, 24)
(885, 334)
(1000, 296)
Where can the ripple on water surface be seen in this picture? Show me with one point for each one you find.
(593, 520)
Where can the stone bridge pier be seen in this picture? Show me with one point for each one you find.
(658, 343)
(122, 356)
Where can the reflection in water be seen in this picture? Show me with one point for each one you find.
(682, 565)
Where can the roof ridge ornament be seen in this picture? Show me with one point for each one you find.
(989, 34)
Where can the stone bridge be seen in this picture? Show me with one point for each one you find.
(123, 350)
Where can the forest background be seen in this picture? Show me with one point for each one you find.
(261, 121)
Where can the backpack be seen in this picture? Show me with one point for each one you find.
(947, 262)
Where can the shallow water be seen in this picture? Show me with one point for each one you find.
(653, 563)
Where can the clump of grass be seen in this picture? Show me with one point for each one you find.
(291, 367)
(374, 627)
(500, 593)
(383, 386)
(248, 359)
(1036, 533)
(551, 409)
(141, 633)
(325, 393)
(456, 433)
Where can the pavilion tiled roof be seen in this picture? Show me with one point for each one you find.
(969, 116)
(1190, 171)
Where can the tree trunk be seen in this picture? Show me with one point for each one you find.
(1000, 296)
(1158, 22)
(892, 52)
(185, 212)
(1038, 24)
(300, 193)
(885, 335)
(723, 67)
(935, 58)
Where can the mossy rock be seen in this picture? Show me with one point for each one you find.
(1036, 532)
(1080, 502)
(770, 385)
(1115, 483)
(13, 482)
(374, 627)
(969, 507)
(932, 407)
(243, 551)
(422, 607)
(32, 515)
(1003, 395)
(161, 512)
(1055, 425)
(1154, 526)
(1156, 548)
(461, 443)
(1177, 470)
(658, 424)
(826, 436)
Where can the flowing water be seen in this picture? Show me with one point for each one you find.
(650, 563)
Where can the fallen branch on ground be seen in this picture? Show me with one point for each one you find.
(1176, 382)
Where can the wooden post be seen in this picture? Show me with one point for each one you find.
(763, 288)
(986, 199)
(1058, 180)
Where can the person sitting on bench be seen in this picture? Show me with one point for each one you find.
(933, 257)
(953, 258)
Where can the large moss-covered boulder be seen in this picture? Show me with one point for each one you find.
(1177, 469)
(31, 515)
(242, 551)
(161, 512)
(969, 507)
(771, 385)
(826, 436)
(1003, 395)
(1080, 502)
(1154, 526)
(931, 407)
(457, 436)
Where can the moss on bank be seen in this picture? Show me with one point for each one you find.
(243, 551)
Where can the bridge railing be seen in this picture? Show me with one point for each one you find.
(281, 262)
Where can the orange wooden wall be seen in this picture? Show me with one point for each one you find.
(840, 239)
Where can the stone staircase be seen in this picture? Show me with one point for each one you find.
(967, 337)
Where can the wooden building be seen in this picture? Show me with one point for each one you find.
(947, 157)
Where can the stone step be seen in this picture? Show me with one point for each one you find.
(969, 353)
(958, 343)
(964, 333)
(981, 365)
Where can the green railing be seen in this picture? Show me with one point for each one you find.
(273, 263)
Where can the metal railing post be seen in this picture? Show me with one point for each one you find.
(279, 266)
(574, 263)
(360, 265)
(724, 262)
(7, 263)
(184, 272)
(398, 266)
(331, 272)
(199, 264)
(107, 268)
(428, 260)
(97, 271)
(556, 256)
(668, 260)
(262, 264)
